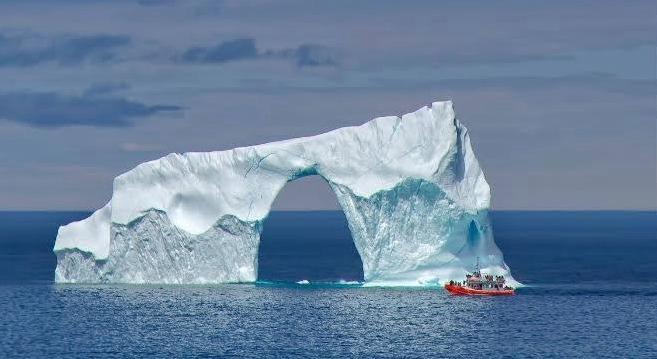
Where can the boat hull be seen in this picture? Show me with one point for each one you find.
(460, 290)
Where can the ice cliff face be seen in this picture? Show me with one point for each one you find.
(412, 190)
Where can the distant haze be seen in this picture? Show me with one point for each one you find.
(559, 96)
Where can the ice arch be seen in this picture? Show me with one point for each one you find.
(308, 245)
(410, 188)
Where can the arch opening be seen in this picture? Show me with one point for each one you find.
(306, 237)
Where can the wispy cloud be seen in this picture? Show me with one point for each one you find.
(233, 50)
(51, 110)
(315, 55)
(105, 88)
(305, 55)
(29, 50)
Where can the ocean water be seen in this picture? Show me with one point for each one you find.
(591, 276)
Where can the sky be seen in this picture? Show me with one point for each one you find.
(559, 97)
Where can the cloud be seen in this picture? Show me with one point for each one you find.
(377, 33)
(29, 50)
(51, 110)
(601, 82)
(315, 55)
(305, 55)
(105, 88)
(233, 50)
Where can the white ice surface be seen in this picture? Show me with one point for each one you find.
(91, 235)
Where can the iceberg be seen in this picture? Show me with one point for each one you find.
(415, 198)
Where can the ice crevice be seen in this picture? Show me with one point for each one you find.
(415, 198)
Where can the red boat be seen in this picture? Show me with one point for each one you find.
(461, 290)
(478, 284)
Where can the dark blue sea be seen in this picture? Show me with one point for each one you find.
(591, 293)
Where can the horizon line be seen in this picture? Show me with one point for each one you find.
(339, 210)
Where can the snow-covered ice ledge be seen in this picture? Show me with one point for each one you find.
(411, 188)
